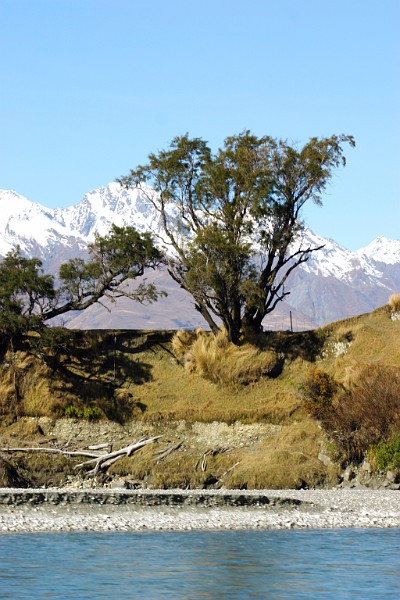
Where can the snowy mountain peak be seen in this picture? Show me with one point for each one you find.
(332, 284)
(25, 223)
(382, 249)
(331, 261)
(102, 207)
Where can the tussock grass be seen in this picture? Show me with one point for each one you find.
(394, 302)
(375, 340)
(183, 340)
(216, 359)
(136, 377)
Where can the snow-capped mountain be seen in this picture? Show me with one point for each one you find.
(381, 250)
(335, 283)
(100, 208)
(25, 222)
(55, 235)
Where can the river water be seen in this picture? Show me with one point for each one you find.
(345, 563)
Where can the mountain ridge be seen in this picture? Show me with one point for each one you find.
(335, 283)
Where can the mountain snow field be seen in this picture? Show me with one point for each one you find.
(335, 283)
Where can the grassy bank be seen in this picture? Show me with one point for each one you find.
(237, 418)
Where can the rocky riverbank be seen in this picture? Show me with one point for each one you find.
(61, 510)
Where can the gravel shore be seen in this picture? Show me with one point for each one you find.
(119, 510)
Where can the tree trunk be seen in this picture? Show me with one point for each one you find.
(207, 317)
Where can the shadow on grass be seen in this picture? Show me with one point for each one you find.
(97, 369)
(307, 345)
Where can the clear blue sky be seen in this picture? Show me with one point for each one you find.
(90, 87)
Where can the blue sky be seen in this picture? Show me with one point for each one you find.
(89, 88)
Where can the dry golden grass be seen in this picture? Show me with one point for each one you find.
(287, 460)
(151, 386)
(394, 302)
(375, 340)
(183, 340)
(218, 360)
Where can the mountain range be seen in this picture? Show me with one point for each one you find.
(334, 284)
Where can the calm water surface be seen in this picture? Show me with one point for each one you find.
(228, 564)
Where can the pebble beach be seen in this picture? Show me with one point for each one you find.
(28, 511)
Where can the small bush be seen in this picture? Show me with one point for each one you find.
(367, 412)
(90, 413)
(319, 390)
(394, 302)
(386, 455)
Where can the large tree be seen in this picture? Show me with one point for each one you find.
(233, 220)
(29, 297)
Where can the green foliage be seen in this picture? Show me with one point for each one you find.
(25, 294)
(121, 255)
(90, 413)
(319, 391)
(386, 455)
(28, 297)
(231, 218)
(55, 341)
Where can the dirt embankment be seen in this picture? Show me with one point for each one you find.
(186, 455)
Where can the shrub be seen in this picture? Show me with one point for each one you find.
(319, 390)
(386, 455)
(91, 413)
(367, 412)
(394, 302)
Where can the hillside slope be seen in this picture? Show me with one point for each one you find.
(248, 436)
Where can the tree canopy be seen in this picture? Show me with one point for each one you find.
(29, 297)
(232, 220)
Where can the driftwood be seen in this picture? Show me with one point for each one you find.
(229, 470)
(161, 454)
(52, 451)
(104, 461)
(211, 452)
(101, 459)
(100, 447)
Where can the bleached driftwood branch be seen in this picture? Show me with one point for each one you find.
(166, 452)
(101, 460)
(210, 452)
(53, 451)
(104, 461)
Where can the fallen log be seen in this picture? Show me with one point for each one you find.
(166, 452)
(106, 460)
(53, 451)
(101, 460)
